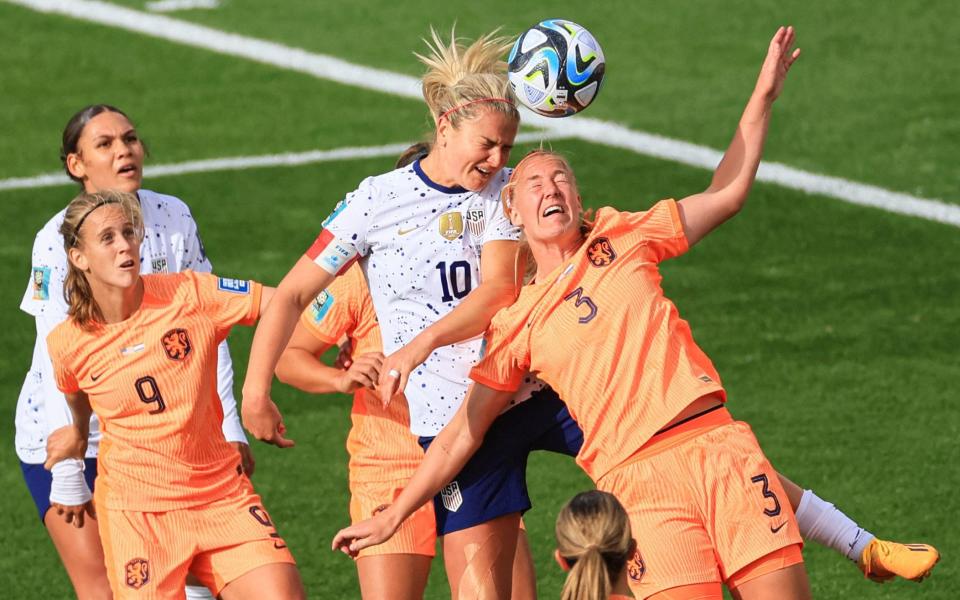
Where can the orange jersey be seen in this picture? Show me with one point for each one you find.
(601, 333)
(380, 444)
(152, 381)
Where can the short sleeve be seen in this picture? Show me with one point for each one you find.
(498, 226)
(661, 229)
(227, 302)
(505, 357)
(351, 218)
(330, 315)
(63, 375)
(44, 293)
(194, 254)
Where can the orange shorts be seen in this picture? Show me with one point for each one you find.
(416, 535)
(148, 555)
(703, 502)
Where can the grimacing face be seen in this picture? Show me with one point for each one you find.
(475, 151)
(109, 155)
(545, 200)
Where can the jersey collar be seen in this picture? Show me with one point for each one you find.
(440, 188)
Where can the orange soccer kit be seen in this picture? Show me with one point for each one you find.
(601, 333)
(170, 494)
(383, 452)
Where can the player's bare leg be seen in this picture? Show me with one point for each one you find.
(790, 583)
(524, 574)
(393, 576)
(277, 581)
(82, 556)
(479, 560)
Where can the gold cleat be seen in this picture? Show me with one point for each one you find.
(881, 561)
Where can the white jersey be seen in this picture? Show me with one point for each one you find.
(421, 244)
(171, 243)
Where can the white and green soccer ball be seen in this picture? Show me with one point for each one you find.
(556, 68)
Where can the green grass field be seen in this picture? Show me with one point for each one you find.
(835, 327)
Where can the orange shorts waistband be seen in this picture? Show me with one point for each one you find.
(677, 434)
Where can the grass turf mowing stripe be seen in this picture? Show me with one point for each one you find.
(238, 163)
(593, 130)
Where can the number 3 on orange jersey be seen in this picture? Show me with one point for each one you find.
(578, 298)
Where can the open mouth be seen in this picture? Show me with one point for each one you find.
(127, 170)
(484, 172)
(555, 209)
(128, 264)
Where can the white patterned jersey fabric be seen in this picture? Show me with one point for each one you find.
(420, 245)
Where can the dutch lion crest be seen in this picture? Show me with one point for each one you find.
(137, 573)
(176, 343)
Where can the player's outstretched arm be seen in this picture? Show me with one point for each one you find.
(447, 455)
(301, 367)
(497, 289)
(259, 414)
(702, 213)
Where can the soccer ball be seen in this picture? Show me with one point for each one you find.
(556, 68)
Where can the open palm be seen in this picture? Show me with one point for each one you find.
(780, 57)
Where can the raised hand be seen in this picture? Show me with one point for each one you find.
(780, 57)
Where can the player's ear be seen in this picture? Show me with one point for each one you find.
(75, 165)
(443, 131)
(561, 560)
(511, 208)
(77, 259)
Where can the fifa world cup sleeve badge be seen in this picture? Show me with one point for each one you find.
(41, 283)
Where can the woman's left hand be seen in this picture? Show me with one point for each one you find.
(397, 367)
(780, 57)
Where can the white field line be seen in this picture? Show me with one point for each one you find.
(236, 163)
(174, 5)
(593, 130)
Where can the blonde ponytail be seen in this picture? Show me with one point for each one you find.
(460, 80)
(594, 538)
(83, 308)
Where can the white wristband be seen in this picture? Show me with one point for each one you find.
(69, 487)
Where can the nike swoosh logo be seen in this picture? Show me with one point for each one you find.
(406, 231)
(96, 377)
(777, 528)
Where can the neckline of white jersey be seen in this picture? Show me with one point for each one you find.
(440, 188)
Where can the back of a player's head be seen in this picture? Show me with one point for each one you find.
(463, 80)
(76, 288)
(594, 542)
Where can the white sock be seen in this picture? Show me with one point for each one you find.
(198, 592)
(825, 524)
